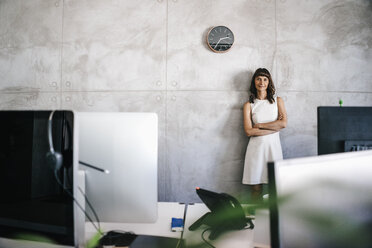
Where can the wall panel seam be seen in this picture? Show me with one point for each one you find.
(173, 91)
(61, 54)
(276, 41)
(165, 170)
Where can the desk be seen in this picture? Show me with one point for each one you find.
(231, 239)
(162, 227)
(258, 237)
(261, 236)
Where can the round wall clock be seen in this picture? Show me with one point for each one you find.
(220, 39)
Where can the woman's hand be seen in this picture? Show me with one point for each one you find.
(249, 130)
(277, 125)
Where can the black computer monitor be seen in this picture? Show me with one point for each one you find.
(321, 201)
(33, 206)
(343, 129)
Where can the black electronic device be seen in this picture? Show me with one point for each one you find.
(226, 213)
(33, 204)
(127, 239)
(117, 238)
(344, 129)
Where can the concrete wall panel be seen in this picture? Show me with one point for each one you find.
(29, 101)
(189, 21)
(114, 45)
(30, 36)
(325, 48)
(205, 142)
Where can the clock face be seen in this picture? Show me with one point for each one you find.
(220, 39)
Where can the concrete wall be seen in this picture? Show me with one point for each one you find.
(151, 55)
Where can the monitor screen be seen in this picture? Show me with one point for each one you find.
(323, 201)
(32, 204)
(343, 129)
(125, 144)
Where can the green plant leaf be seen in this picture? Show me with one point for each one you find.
(93, 242)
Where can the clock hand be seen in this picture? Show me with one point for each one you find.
(221, 40)
(217, 43)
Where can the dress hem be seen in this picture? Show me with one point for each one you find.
(254, 183)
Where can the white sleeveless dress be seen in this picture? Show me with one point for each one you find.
(261, 149)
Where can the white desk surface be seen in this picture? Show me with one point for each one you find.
(259, 237)
(162, 227)
(231, 239)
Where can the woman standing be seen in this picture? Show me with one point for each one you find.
(264, 116)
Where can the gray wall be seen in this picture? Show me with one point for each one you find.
(150, 55)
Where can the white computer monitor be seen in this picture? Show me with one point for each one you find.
(35, 210)
(125, 144)
(321, 201)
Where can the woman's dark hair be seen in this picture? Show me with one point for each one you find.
(270, 88)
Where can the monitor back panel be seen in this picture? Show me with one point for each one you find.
(126, 144)
(322, 201)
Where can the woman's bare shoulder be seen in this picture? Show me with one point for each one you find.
(247, 105)
(279, 99)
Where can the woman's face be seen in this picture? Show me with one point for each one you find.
(261, 83)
